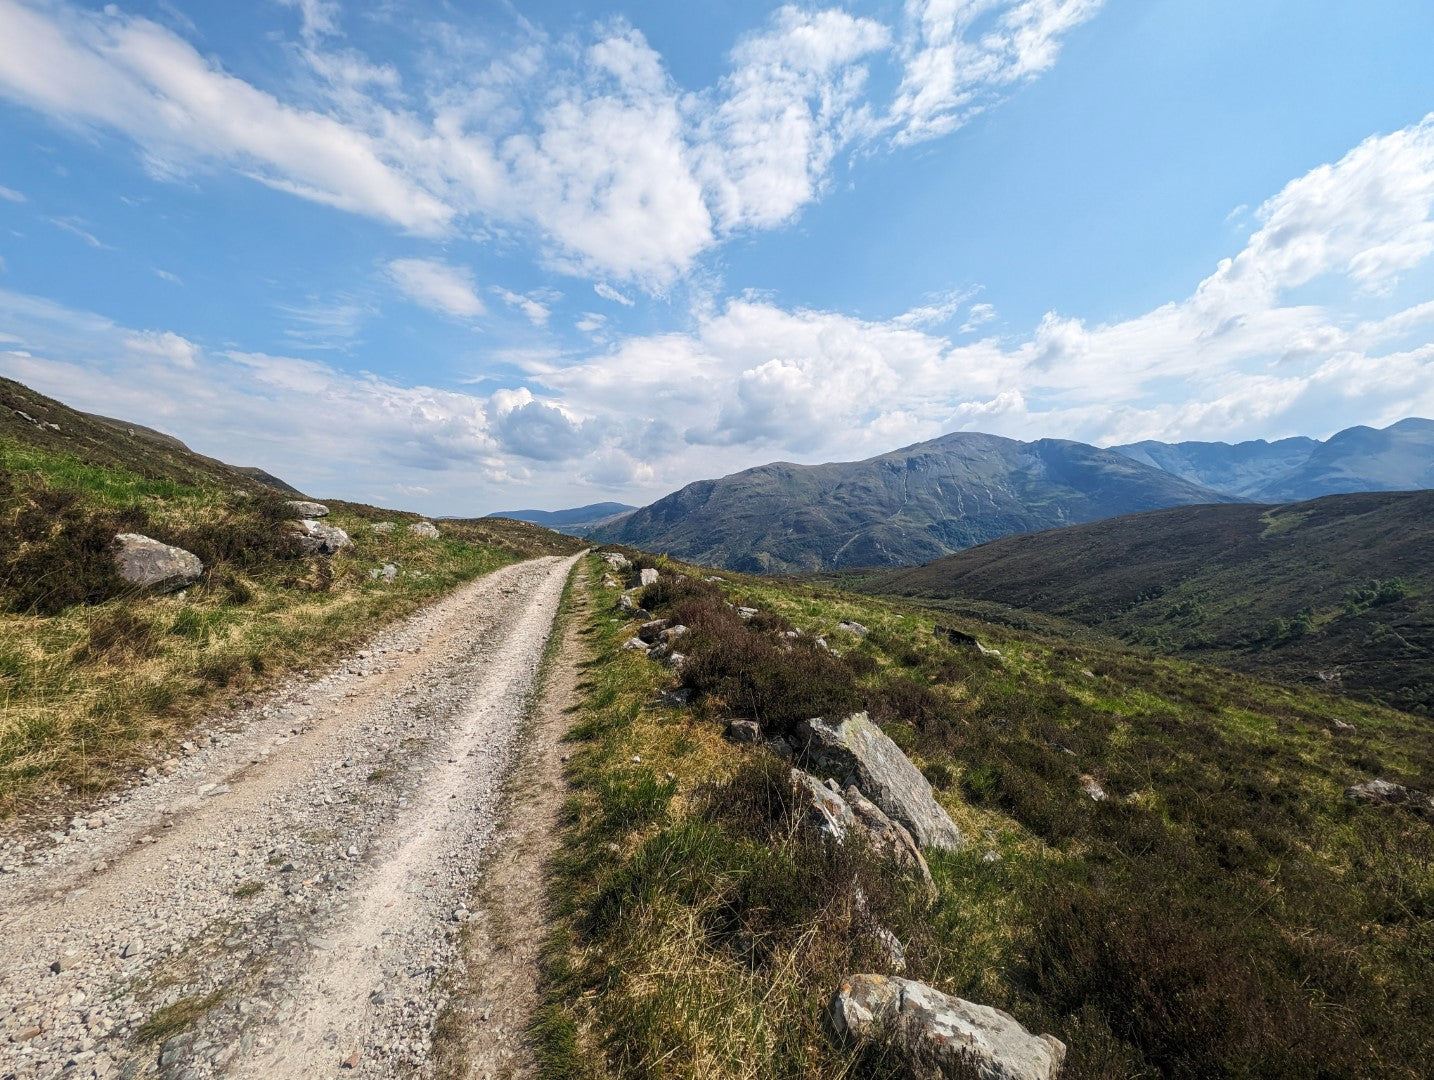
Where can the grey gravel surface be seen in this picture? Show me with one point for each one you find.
(282, 898)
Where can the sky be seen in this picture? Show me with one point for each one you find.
(459, 258)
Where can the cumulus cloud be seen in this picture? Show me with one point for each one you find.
(437, 286)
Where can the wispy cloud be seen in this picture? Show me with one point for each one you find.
(165, 275)
(75, 227)
(533, 307)
(607, 292)
(11, 195)
(437, 286)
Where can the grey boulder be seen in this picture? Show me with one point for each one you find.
(1386, 791)
(857, 752)
(940, 1035)
(382, 527)
(425, 530)
(306, 509)
(144, 561)
(316, 539)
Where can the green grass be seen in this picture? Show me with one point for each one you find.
(177, 1018)
(1224, 912)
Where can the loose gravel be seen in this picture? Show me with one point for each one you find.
(283, 897)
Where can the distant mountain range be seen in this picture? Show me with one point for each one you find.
(579, 521)
(921, 502)
(1397, 458)
(908, 506)
(1342, 585)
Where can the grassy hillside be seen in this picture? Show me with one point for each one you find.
(96, 677)
(1223, 912)
(1342, 586)
(902, 508)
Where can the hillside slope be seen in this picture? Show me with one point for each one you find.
(1161, 869)
(96, 675)
(909, 506)
(1342, 585)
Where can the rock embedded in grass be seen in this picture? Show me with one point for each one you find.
(306, 509)
(144, 561)
(942, 1035)
(1385, 791)
(859, 753)
(743, 731)
(425, 530)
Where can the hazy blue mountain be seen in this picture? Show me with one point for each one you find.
(1397, 458)
(905, 507)
(578, 521)
(1241, 469)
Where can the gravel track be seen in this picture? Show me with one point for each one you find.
(285, 898)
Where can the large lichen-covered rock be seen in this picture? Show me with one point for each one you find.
(315, 539)
(144, 561)
(856, 751)
(941, 1035)
(425, 530)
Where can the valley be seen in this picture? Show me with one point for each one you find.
(368, 795)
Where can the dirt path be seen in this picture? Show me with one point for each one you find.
(286, 900)
(495, 982)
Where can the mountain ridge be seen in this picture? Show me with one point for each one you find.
(1399, 457)
(908, 505)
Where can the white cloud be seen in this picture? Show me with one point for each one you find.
(447, 449)
(437, 286)
(978, 316)
(11, 195)
(75, 227)
(617, 170)
(531, 306)
(591, 322)
(607, 292)
(959, 55)
(783, 113)
(165, 275)
(132, 75)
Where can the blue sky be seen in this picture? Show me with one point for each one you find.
(547, 254)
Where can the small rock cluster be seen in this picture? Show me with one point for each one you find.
(312, 537)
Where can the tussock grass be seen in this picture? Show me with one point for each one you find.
(1224, 911)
